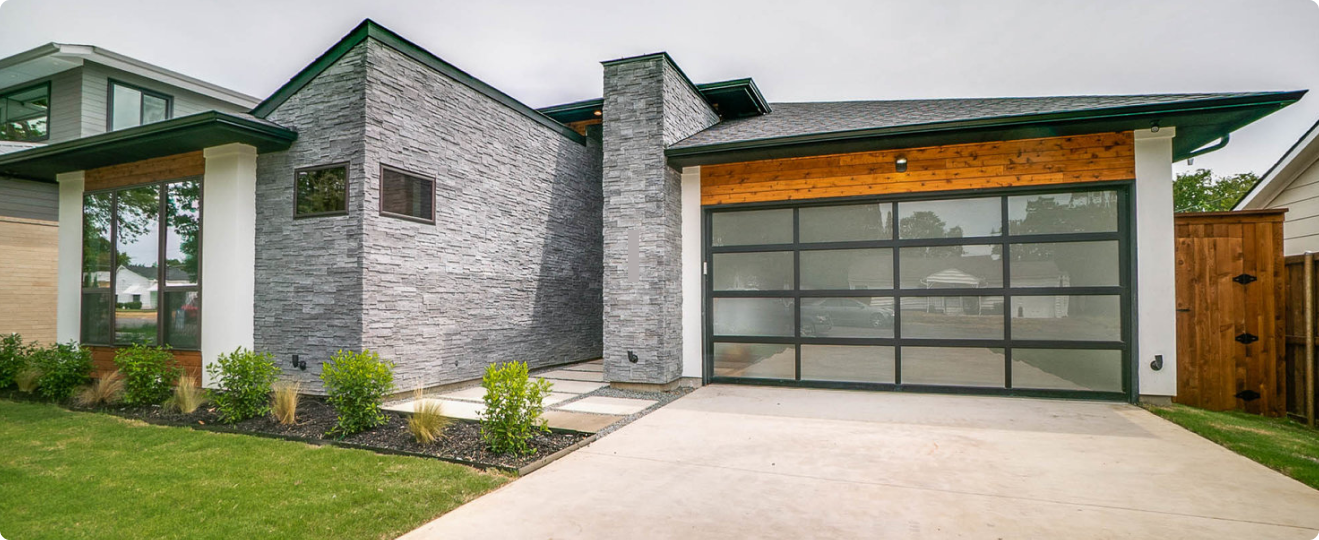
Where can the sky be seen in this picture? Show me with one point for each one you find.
(546, 53)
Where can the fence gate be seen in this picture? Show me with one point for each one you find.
(1231, 294)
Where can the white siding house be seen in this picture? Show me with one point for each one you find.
(1292, 183)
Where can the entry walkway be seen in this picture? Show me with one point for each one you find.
(760, 462)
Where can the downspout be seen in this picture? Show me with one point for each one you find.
(1222, 141)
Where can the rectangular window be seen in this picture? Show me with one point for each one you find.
(406, 195)
(25, 114)
(759, 271)
(755, 360)
(140, 276)
(321, 191)
(131, 106)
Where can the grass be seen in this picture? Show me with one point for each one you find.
(1277, 443)
(72, 475)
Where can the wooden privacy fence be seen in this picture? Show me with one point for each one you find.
(1299, 357)
(1230, 312)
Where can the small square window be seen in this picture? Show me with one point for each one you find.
(406, 195)
(321, 191)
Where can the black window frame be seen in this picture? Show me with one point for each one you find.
(109, 103)
(162, 267)
(406, 217)
(4, 93)
(1125, 290)
(347, 189)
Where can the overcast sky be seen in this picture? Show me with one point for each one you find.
(545, 53)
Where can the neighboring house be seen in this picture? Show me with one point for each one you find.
(52, 95)
(1292, 183)
(383, 199)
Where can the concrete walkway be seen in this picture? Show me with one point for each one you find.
(758, 462)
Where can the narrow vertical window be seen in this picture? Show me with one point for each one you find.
(406, 195)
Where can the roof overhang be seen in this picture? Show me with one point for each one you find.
(731, 99)
(176, 136)
(1302, 154)
(1198, 123)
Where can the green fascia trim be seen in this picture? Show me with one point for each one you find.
(584, 109)
(144, 142)
(1278, 99)
(747, 85)
(370, 29)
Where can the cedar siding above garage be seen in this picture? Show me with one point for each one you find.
(1028, 162)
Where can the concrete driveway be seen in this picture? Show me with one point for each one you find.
(759, 462)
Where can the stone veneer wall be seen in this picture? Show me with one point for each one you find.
(649, 104)
(511, 269)
(309, 271)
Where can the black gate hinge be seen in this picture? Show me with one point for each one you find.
(1245, 279)
(1247, 338)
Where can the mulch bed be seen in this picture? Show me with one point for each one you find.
(461, 441)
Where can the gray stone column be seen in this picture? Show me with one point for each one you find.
(648, 104)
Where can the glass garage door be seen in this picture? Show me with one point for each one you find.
(1021, 293)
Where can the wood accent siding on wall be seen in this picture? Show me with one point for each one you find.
(28, 260)
(146, 171)
(103, 361)
(1028, 162)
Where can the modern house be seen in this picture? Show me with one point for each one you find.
(385, 199)
(57, 93)
(1292, 183)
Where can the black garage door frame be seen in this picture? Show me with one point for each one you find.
(1125, 290)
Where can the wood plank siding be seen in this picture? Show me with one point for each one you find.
(1213, 367)
(1026, 162)
(27, 277)
(146, 171)
(103, 361)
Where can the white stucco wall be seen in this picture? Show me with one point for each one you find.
(1156, 311)
(68, 311)
(228, 251)
(692, 301)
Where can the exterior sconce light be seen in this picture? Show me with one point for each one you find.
(901, 164)
(1154, 126)
(597, 113)
(300, 364)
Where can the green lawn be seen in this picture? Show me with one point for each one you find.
(73, 475)
(1278, 443)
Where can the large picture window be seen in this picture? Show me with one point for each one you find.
(25, 114)
(131, 106)
(406, 195)
(141, 264)
(321, 191)
(1022, 294)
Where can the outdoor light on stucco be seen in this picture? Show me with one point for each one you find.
(901, 164)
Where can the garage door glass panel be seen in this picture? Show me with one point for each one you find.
(755, 360)
(753, 317)
(754, 227)
(1065, 264)
(847, 269)
(953, 366)
(1054, 213)
(1067, 369)
(857, 222)
(955, 218)
(951, 267)
(846, 363)
(859, 317)
(770, 271)
(952, 317)
(1068, 318)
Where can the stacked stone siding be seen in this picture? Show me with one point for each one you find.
(648, 105)
(511, 268)
(309, 271)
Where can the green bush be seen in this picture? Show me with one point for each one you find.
(355, 385)
(513, 404)
(13, 358)
(149, 373)
(245, 379)
(64, 367)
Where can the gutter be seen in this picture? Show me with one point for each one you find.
(1222, 141)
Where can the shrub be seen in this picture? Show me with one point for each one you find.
(13, 358)
(64, 367)
(355, 385)
(187, 397)
(148, 373)
(244, 378)
(513, 404)
(104, 391)
(284, 404)
(427, 423)
(27, 379)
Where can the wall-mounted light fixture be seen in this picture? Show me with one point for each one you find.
(1154, 126)
(901, 164)
(300, 364)
(598, 113)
